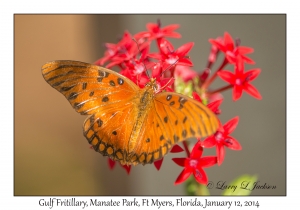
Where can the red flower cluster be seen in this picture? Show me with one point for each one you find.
(131, 54)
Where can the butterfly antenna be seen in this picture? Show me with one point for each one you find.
(146, 70)
(169, 67)
(167, 83)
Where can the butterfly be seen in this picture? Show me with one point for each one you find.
(129, 124)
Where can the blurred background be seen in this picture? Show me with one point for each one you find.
(51, 155)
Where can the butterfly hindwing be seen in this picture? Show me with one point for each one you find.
(184, 117)
(173, 118)
(88, 88)
(109, 132)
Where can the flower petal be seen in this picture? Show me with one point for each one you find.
(245, 50)
(172, 34)
(252, 91)
(251, 74)
(247, 60)
(214, 106)
(196, 97)
(111, 163)
(151, 26)
(200, 176)
(143, 34)
(218, 44)
(165, 46)
(209, 142)
(232, 143)
(179, 161)
(220, 154)
(185, 62)
(230, 126)
(183, 176)
(158, 163)
(207, 161)
(171, 27)
(127, 168)
(184, 49)
(228, 42)
(197, 150)
(155, 56)
(176, 148)
(237, 92)
(227, 76)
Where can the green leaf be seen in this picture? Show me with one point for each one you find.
(194, 188)
(240, 184)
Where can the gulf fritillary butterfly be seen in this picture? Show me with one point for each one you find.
(127, 123)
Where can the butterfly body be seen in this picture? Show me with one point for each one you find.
(127, 123)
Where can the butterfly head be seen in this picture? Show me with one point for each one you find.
(152, 84)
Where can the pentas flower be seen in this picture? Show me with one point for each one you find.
(214, 51)
(221, 139)
(169, 56)
(194, 164)
(175, 149)
(240, 80)
(134, 60)
(213, 106)
(112, 163)
(114, 49)
(232, 52)
(185, 73)
(156, 32)
(128, 55)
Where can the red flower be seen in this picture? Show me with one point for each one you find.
(232, 53)
(176, 148)
(222, 139)
(156, 32)
(185, 73)
(213, 106)
(112, 163)
(169, 56)
(194, 164)
(241, 80)
(158, 163)
(113, 49)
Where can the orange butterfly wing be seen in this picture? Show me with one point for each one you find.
(173, 118)
(107, 96)
(89, 88)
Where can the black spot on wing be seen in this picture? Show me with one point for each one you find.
(169, 97)
(84, 85)
(73, 96)
(166, 119)
(112, 83)
(120, 81)
(67, 88)
(105, 99)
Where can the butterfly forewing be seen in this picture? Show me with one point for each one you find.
(89, 88)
